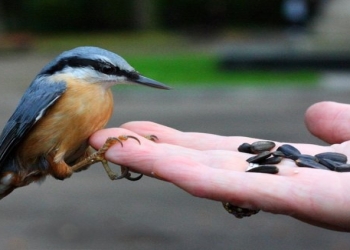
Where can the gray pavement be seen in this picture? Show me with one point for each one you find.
(88, 211)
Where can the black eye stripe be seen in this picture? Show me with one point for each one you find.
(100, 66)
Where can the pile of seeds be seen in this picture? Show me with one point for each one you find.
(264, 158)
(263, 162)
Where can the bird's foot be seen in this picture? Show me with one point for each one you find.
(125, 173)
(99, 156)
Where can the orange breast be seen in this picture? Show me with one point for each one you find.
(83, 109)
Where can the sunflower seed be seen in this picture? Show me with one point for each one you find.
(245, 148)
(260, 157)
(278, 154)
(328, 163)
(343, 168)
(267, 169)
(261, 146)
(305, 162)
(335, 165)
(272, 160)
(289, 151)
(310, 157)
(338, 157)
(239, 212)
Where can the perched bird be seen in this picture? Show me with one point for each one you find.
(67, 101)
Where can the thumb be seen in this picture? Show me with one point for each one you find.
(329, 121)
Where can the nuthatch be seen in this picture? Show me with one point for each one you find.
(68, 101)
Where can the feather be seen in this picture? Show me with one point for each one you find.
(40, 95)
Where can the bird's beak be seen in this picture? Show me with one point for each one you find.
(150, 83)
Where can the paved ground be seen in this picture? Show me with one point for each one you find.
(88, 211)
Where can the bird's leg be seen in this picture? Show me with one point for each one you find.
(99, 156)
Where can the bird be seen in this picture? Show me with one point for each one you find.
(69, 100)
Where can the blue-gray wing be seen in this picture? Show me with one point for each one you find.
(40, 95)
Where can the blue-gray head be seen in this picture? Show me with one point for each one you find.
(97, 65)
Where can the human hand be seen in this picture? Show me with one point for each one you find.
(209, 166)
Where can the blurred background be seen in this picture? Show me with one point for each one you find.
(237, 67)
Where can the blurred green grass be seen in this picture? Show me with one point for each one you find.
(203, 70)
(174, 59)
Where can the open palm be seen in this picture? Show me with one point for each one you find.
(209, 166)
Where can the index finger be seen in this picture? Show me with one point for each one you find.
(199, 141)
(203, 141)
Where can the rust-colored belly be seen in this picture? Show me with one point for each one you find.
(78, 113)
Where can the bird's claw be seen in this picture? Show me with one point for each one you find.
(151, 137)
(125, 173)
(99, 156)
(125, 170)
(113, 140)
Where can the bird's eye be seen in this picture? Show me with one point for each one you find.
(108, 70)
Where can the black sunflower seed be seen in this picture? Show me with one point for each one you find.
(343, 168)
(261, 146)
(239, 212)
(307, 163)
(259, 157)
(289, 151)
(338, 157)
(310, 157)
(272, 160)
(335, 165)
(245, 148)
(278, 154)
(267, 169)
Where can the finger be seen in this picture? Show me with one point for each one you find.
(129, 153)
(142, 157)
(329, 121)
(203, 141)
(200, 141)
